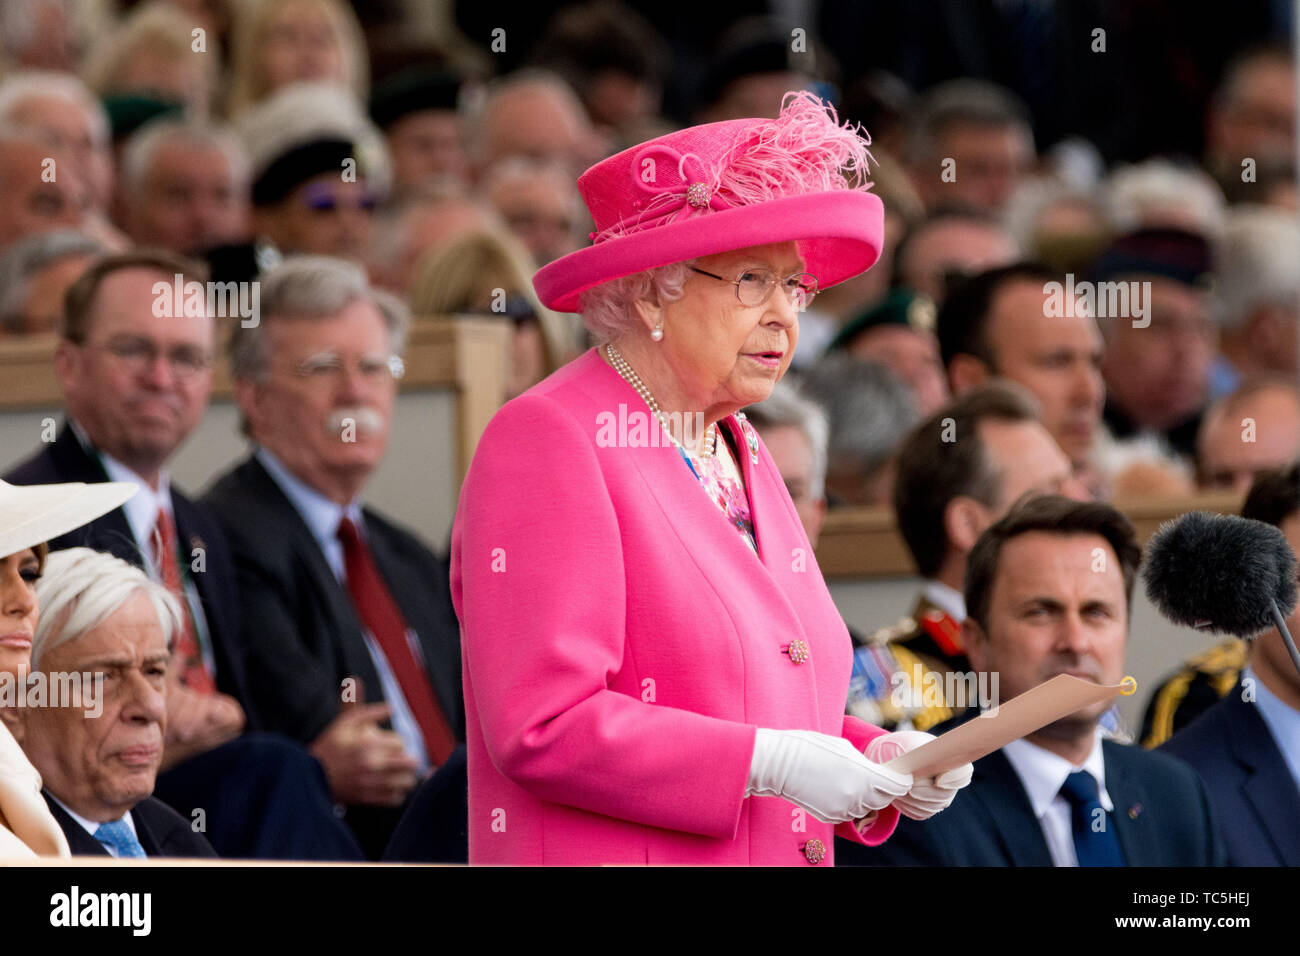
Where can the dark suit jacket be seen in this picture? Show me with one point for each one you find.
(304, 637)
(1162, 817)
(1252, 787)
(160, 829)
(66, 460)
(435, 823)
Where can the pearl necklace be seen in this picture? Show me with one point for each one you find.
(629, 375)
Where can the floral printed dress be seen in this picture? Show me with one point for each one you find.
(719, 476)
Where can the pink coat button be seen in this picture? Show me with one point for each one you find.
(798, 650)
(814, 851)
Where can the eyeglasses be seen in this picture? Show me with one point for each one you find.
(139, 355)
(329, 367)
(755, 285)
(321, 198)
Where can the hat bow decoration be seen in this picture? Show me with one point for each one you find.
(669, 184)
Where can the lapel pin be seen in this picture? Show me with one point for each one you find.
(1135, 811)
(751, 437)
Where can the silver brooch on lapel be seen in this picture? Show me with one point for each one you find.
(751, 437)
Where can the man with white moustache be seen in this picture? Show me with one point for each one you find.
(349, 616)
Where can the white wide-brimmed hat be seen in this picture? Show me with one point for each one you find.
(33, 514)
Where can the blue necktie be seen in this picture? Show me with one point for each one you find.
(119, 836)
(1095, 842)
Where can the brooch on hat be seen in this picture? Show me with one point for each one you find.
(697, 195)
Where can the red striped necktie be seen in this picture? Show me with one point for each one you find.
(383, 618)
(194, 673)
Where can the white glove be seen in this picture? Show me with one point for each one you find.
(928, 796)
(827, 776)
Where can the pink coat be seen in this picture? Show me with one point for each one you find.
(622, 643)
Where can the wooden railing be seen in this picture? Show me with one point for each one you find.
(467, 355)
(865, 543)
(27, 372)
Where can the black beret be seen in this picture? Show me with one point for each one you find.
(1170, 253)
(412, 91)
(293, 168)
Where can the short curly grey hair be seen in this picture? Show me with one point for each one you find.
(314, 287)
(609, 309)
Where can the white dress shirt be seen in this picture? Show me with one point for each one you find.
(1043, 774)
(322, 517)
(90, 826)
(141, 511)
(1282, 720)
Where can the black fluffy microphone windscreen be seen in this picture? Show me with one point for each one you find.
(1220, 572)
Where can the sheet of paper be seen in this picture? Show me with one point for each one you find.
(1032, 710)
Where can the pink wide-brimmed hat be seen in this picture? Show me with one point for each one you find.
(722, 186)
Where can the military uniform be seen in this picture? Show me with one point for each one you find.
(889, 685)
(1203, 680)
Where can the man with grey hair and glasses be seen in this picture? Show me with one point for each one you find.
(349, 617)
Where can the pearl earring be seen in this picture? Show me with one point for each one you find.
(657, 333)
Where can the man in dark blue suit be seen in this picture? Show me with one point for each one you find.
(355, 611)
(1247, 746)
(1048, 589)
(159, 829)
(136, 374)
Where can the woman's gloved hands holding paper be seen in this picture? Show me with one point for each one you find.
(926, 796)
(827, 776)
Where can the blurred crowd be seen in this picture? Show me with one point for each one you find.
(1091, 240)
(441, 155)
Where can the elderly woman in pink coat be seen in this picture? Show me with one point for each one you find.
(654, 670)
